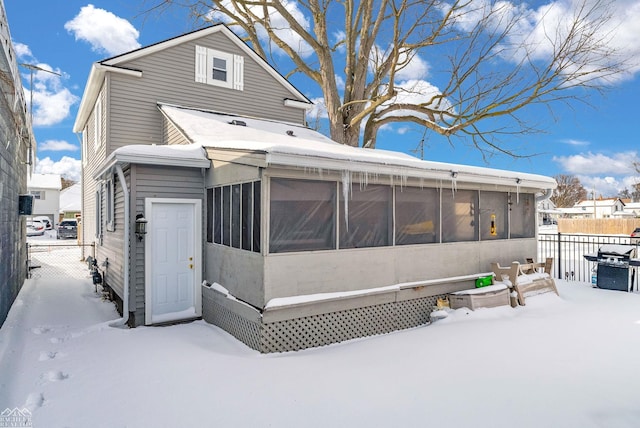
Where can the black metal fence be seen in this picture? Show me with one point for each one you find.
(57, 260)
(568, 252)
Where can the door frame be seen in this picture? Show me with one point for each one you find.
(197, 258)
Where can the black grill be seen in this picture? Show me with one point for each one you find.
(613, 266)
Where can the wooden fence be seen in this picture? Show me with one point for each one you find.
(600, 226)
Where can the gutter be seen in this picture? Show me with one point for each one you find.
(126, 251)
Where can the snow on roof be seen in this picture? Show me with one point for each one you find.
(298, 146)
(70, 198)
(189, 155)
(44, 181)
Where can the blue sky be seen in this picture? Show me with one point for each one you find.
(597, 143)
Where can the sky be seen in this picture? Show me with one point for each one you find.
(560, 361)
(595, 140)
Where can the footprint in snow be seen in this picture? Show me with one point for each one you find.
(40, 330)
(54, 376)
(47, 355)
(34, 400)
(57, 339)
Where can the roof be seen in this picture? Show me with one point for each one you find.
(296, 146)
(190, 156)
(114, 64)
(599, 202)
(44, 181)
(70, 198)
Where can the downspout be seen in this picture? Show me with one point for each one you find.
(546, 195)
(126, 250)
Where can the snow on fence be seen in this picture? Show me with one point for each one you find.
(568, 252)
(57, 260)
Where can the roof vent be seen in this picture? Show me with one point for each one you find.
(290, 133)
(238, 122)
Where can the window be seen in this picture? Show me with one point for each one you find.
(38, 194)
(522, 215)
(97, 125)
(494, 215)
(218, 68)
(99, 213)
(417, 216)
(233, 216)
(459, 215)
(302, 216)
(84, 146)
(110, 205)
(365, 219)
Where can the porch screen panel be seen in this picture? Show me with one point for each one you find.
(494, 214)
(217, 215)
(523, 215)
(257, 207)
(236, 228)
(417, 216)
(369, 215)
(247, 215)
(226, 215)
(302, 215)
(209, 215)
(459, 215)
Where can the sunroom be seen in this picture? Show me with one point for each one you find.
(302, 232)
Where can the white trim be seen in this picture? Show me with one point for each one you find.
(212, 55)
(197, 258)
(110, 201)
(238, 72)
(119, 70)
(297, 104)
(97, 124)
(201, 64)
(84, 154)
(94, 82)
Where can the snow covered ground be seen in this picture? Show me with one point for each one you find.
(568, 361)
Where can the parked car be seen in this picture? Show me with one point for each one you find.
(635, 236)
(45, 220)
(35, 228)
(68, 229)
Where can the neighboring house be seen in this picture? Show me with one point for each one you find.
(264, 227)
(71, 202)
(632, 208)
(45, 189)
(16, 152)
(596, 208)
(547, 212)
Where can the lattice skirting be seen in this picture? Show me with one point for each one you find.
(323, 329)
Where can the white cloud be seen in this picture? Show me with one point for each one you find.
(598, 163)
(541, 29)
(67, 167)
(52, 101)
(417, 92)
(22, 50)
(416, 68)
(319, 109)
(56, 146)
(573, 142)
(104, 31)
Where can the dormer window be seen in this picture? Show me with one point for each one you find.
(219, 68)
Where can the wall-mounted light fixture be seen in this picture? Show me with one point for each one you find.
(141, 226)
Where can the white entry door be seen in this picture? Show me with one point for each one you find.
(173, 268)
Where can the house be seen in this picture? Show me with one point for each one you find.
(548, 213)
(597, 208)
(16, 155)
(214, 200)
(632, 208)
(45, 189)
(71, 202)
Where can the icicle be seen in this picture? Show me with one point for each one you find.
(517, 191)
(454, 182)
(346, 194)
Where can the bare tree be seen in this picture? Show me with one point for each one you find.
(569, 191)
(488, 60)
